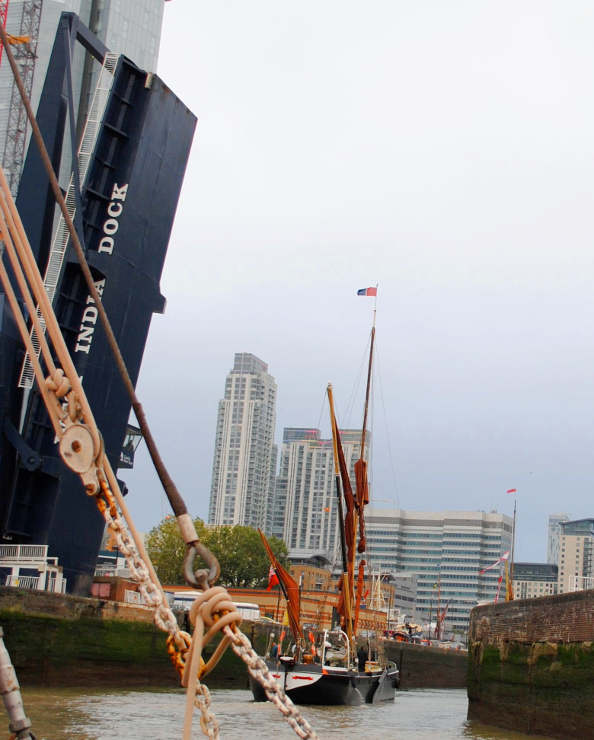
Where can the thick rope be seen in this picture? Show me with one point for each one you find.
(215, 611)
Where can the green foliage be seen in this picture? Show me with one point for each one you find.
(239, 550)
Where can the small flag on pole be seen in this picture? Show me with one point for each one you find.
(272, 578)
(367, 291)
(512, 490)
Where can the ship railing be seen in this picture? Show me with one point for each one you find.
(31, 582)
(24, 553)
(35, 583)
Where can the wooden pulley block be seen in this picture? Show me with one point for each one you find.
(76, 448)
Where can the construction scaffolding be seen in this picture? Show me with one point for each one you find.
(21, 18)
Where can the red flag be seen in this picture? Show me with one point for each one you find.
(512, 490)
(272, 578)
(367, 291)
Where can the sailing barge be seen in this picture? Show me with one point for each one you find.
(331, 670)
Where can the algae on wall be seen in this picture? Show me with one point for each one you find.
(540, 687)
(47, 650)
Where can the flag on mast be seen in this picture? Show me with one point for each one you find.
(367, 291)
(272, 578)
(512, 490)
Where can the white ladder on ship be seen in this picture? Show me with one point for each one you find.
(62, 237)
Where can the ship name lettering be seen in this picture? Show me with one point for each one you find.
(88, 321)
(111, 225)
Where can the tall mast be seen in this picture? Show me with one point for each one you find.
(368, 388)
(361, 465)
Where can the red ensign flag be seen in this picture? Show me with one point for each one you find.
(272, 578)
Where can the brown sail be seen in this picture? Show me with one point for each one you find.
(290, 589)
(349, 500)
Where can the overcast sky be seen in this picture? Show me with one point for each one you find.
(444, 150)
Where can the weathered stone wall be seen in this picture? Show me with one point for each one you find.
(531, 665)
(69, 607)
(423, 667)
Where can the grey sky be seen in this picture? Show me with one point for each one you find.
(443, 149)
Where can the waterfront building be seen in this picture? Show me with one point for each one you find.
(305, 497)
(132, 28)
(531, 580)
(576, 571)
(553, 535)
(446, 551)
(244, 453)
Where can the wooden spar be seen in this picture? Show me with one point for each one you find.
(347, 586)
(367, 389)
(362, 486)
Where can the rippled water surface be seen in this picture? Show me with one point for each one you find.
(422, 715)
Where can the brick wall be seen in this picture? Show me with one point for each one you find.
(562, 618)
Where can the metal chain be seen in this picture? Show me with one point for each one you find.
(151, 593)
(165, 620)
(208, 721)
(259, 670)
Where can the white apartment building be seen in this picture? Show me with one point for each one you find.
(244, 454)
(531, 580)
(553, 535)
(446, 550)
(576, 572)
(306, 503)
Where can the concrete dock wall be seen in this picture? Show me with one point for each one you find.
(423, 667)
(531, 665)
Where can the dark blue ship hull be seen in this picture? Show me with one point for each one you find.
(309, 683)
(128, 203)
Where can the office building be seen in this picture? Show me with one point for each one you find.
(446, 550)
(305, 498)
(553, 535)
(130, 27)
(576, 572)
(531, 580)
(244, 454)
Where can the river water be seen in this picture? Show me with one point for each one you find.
(428, 714)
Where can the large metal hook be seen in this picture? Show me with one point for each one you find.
(204, 577)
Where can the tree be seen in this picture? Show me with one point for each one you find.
(239, 550)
